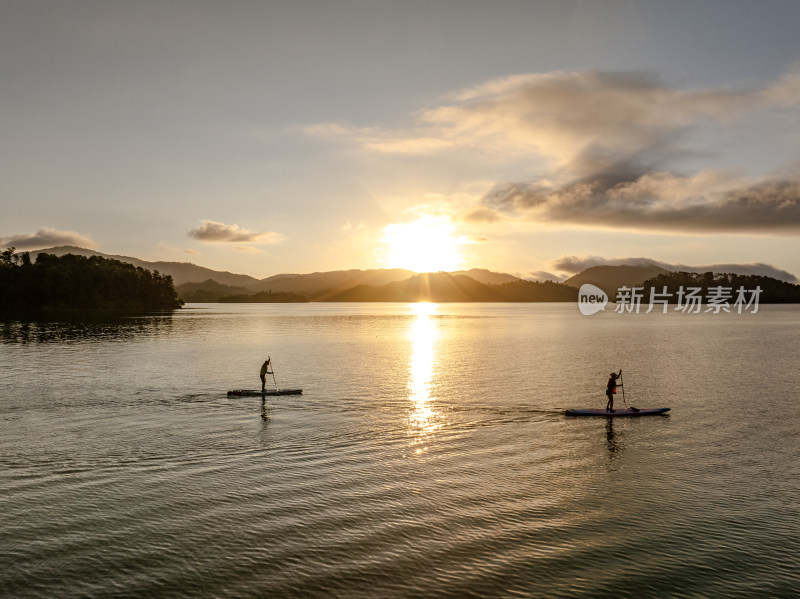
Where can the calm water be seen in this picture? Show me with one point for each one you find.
(426, 457)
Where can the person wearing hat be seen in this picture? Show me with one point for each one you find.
(611, 388)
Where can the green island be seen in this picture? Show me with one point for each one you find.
(73, 284)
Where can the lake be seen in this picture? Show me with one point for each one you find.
(428, 455)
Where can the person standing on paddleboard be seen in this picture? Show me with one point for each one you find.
(611, 388)
(264, 372)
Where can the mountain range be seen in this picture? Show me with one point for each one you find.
(453, 287)
(611, 278)
(181, 272)
(199, 284)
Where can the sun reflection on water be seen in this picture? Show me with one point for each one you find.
(423, 419)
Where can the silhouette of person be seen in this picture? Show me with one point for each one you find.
(263, 374)
(611, 388)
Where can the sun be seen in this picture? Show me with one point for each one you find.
(428, 244)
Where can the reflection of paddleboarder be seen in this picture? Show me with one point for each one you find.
(265, 371)
(611, 388)
(611, 443)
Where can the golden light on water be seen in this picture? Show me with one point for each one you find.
(423, 333)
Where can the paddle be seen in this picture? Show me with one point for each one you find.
(621, 384)
(273, 373)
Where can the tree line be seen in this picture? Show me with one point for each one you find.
(71, 282)
(265, 297)
(773, 291)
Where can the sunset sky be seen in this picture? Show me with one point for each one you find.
(535, 138)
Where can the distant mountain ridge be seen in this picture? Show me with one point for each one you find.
(433, 287)
(611, 278)
(316, 282)
(181, 272)
(208, 291)
(442, 287)
(199, 284)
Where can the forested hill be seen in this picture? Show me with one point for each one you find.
(446, 287)
(69, 282)
(773, 291)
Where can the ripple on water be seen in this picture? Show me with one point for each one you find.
(461, 479)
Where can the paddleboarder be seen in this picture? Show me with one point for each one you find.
(611, 388)
(265, 371)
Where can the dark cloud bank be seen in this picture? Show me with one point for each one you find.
(612, 141)
(218, 232)
(46, 237)
(615, 201)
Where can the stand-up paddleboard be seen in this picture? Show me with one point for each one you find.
(259, 392)
(623, 412)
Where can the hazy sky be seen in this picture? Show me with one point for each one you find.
(267, 137)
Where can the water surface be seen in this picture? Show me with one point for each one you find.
(427, 456)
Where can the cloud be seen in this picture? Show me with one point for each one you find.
(47, 237)
(413, 146)
(542, 276)
(349, 227)
(575, 264)
(216, 232)
(756, 268)
(785, 92)
(611, 137)
(378, 140)
(481, 214)
(584, 120)
(605, 146)
(580, 121)
(658, 200)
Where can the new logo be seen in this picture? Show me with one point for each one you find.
(591, 299)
